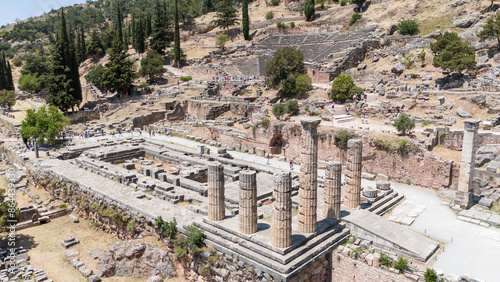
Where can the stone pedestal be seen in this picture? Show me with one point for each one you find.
(281, 232)
(383, 185)
(464, 195)
(352, 196)
(216, 205)
(308, 175)
(248, 202)
(331, 208)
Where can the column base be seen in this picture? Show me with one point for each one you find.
(464, 199)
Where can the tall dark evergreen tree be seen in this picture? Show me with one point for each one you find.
(119, 70)
(245, 20)
(96, 49)
(149, 28)
(140, 37)
(159, 40)
(118, 26)
(64, 82)
(81, 48)
(3, 73)
(177, 39)
(309, 9)
(10, 80)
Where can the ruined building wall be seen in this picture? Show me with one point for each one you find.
(142, 120)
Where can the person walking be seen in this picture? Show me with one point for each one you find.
(291, 164)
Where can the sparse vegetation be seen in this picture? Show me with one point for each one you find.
(430, 275)
(408, 27)
(354, 18)
(403, 124)
(401, 264)
(270, 15)
(341, 138)
(194, 237)
(385, 260)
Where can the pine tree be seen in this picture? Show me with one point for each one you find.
(159, 40)
(309, 9)
(119, 70)
(82, 48)
(96, 49)
(245, 20)
(226, 14)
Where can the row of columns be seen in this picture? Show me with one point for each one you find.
(281, 226)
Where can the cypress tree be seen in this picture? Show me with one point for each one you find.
(119, 31)
(119, 70)
(140, 40)
(309, 9)
(10, 80)
(148, 25)
(82, 46)
(96, 49)
(245, 20)
(159, 40)
(3, 73)
(177, 40)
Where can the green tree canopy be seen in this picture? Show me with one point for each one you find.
(160, 37)
(343, 88)
(491, 29)
(304, 83)
(452, 53)
(279, 110)
(43, 126)
(403, 124)
(226, 15)
(7, 98)
(152, 65)
(309, 9)
(221, 40)
(359, 3)
(29, 83)
(119, 71)
(284, 62)
(96, 48)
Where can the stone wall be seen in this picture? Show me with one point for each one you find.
(421, 167)
(206, 110)
(453, 139)
(317, 271)
(142, 120)
(84, 116)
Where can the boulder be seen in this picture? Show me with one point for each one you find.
(380, 89)
(464, 22)
(398, 68)
(480, 100)
(463, 113)
(391, 29)
(73, 218)
(434, 34)
(482, 59)
(486, 202)
(155, 278)
(471, 35)
(361, 66)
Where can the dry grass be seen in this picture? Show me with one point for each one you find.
(448, 154)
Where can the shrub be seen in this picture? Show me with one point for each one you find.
(265, 122)
(275, 2)
(269, 15)
(430, 275)
(422, 56)
(186, 78)
(17, 61)
(414, 75)
(343, 88)
(385, 260)
(292, 106)
(194, 237)
(425, 123)
(403, 146)
(303, 83)
(63, 206)
(341, 138)
(408, 63)
(203, 271)
(354, 18)
(408, 27)
(383, 145)
(292, 25)
(343, 2)
(401, 264)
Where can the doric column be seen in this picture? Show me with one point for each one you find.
(281, 226)
(308, 193)
(352, 195)
(216, 205)
(331, 208)
(464, 195)
(248, 202)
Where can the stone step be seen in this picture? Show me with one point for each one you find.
(387, 206)
(345, 119)
(382, 200)
(249, 254)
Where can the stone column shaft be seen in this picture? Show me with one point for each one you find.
(216, 204)
(352, 195)
(281, 226)
(331, 208)
(465, 195)
(308, 193)
(248, 202)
